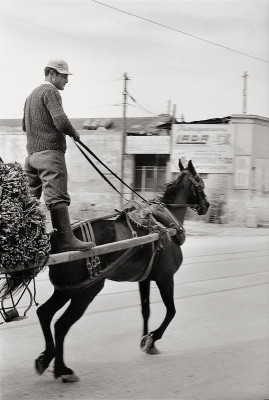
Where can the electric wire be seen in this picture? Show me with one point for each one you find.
(179, 31)
(140, 105)
(95, 43)
(144, 109)
(141, 109)
(98, 81)
(98, 106)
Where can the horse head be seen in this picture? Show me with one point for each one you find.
(197, 195)
(187, 189)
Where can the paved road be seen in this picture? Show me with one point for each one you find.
(216, 348)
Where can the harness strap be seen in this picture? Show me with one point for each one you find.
(147, 272)
(89, 225)
(181, 205)
(89, 282)
(92, 262)
(134, 233)
(84, 238)
(154, 250)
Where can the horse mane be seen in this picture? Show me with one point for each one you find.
(171, 190)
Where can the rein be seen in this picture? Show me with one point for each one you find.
(196, 184)
(97, 169)
(104, 165)
(194, 207)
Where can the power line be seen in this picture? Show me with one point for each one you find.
(141, 109)
(179, 31)
(97, 82)
(98, 106)
(138, 103)
(92, 42)
(102, 80)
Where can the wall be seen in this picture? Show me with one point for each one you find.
(251, 163)
(89, 192)
(260, 170)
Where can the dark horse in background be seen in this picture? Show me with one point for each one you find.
(186, 190)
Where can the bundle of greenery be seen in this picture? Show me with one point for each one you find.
(24, 243)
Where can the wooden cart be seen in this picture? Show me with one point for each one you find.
(9, 313)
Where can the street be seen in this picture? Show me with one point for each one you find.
(217, 346)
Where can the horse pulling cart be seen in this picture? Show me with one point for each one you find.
(140, 244)
(10, 313)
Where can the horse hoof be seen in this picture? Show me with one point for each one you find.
(152, 350)
(146, 342)
(42, 362)
(68, 378)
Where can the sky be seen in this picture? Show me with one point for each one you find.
(187, 56)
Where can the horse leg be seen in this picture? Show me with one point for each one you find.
(167, 293)
(144, 290)
(73, 313)
(45, 314)
(146, 343)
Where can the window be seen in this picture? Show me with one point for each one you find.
(150, 172)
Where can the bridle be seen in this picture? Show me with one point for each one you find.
(198, 189)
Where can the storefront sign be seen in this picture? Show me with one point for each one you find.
(208, 146)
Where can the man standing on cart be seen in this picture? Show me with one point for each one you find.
(46, 126)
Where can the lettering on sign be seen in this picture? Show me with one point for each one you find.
(192, 139)
(209, 147)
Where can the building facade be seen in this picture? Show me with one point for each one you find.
(232, 156)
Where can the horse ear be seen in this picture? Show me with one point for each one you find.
(191, 168)
(180, 165)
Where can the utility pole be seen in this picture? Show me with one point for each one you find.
(168, 107)
(174, 110)
(123, 149)
(245, 92)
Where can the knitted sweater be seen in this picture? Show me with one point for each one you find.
(45, 121)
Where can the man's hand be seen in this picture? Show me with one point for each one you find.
(76, 136)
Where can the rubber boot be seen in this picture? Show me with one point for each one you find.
(66, 239)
